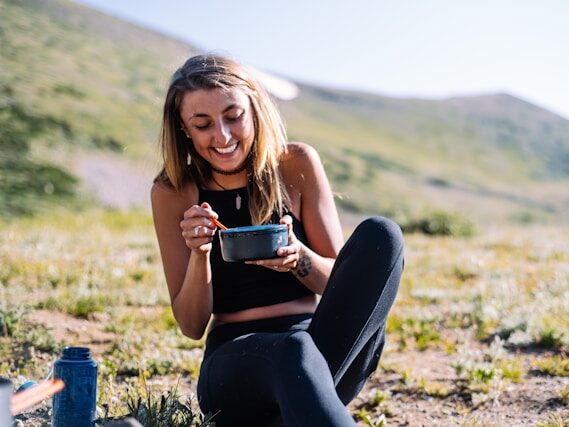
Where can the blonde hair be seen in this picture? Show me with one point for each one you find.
(182, 163)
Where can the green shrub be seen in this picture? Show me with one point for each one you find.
(9, 322)
(440, 223)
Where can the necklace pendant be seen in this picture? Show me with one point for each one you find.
(238, 202)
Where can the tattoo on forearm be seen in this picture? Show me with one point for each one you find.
(303, 266)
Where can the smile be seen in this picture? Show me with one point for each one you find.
(226, 150)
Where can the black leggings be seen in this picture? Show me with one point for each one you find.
(308, 367)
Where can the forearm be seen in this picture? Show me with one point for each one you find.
(193, 305)
(313, 270)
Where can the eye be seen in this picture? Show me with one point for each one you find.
(202, 126)
(235, 117)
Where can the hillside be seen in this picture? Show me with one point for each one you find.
(489, 155)
(74, 79)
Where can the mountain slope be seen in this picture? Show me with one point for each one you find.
(488, 156)
(98, 82)
(103, 77)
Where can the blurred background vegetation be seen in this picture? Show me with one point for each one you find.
(80, 104)
(80, 90)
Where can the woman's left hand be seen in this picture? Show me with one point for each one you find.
(287, 255)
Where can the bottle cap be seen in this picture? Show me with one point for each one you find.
(26, 385)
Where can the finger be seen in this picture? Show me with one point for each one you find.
(199, 231)
(281, 268)
(284, 268)
(290, 259)
(206, 221)
(192, 212)
(191, 224)
(287, 219)
(204, 210)
(210, 212)
(288, 250)
(199, 243)
(269, 263)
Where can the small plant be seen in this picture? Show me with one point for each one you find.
(9, 322)
(421, 332)
(85, 306)
(550, 338)
(434, 389)
(555, 420)
(365, 417)
(378, 398)
(480, 376)
(512, 370)
(564, 393)
(556, 366)
(153, 410)
(475, 421)
(463, 274)
(482, 373)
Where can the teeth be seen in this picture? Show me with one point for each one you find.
(226, 150)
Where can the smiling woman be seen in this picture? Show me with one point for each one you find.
(206, 118)
(271, 351)
(220, 124)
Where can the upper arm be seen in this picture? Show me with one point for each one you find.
(317, 208)
(168, 209)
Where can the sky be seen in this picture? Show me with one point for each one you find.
(402, 48)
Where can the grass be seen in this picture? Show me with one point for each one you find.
(555, 420)
(477, 300)
(155, 409)
(554, 366)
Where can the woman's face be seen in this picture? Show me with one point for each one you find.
(220, 124)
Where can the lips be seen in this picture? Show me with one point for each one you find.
(226, 150)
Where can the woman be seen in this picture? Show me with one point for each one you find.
(272, 351)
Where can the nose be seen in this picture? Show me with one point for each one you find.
(222, 133)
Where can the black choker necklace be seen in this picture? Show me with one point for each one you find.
(233, 171)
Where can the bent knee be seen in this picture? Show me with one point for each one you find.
(382, 232)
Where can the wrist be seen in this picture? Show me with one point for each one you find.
(304, 264)
(199, 256)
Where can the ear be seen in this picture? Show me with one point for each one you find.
(185, 131)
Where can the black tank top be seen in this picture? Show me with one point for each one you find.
(236, 285)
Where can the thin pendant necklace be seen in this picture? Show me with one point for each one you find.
(237, 198)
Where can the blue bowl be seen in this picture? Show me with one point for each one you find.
(252, 242)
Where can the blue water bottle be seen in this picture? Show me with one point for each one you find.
(75, 405)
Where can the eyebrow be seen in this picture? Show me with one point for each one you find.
(229, 107)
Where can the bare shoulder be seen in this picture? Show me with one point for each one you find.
(300, 151)
(165, 198)
(300, 160)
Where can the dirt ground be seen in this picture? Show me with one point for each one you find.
(527, 403)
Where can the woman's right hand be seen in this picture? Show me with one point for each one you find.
(198, 228)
